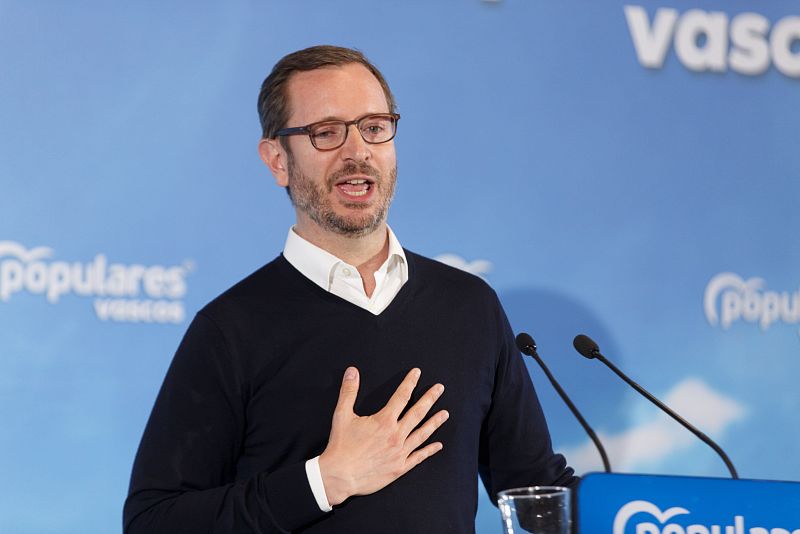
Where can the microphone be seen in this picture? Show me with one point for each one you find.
(527, 345)
(589, 349)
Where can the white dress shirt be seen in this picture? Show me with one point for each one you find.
(343, 280)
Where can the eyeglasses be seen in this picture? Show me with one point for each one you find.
(330, 135)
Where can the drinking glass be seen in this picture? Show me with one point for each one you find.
(535, 509)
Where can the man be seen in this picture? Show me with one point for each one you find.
(310, 397)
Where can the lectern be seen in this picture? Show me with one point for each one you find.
(655, 504)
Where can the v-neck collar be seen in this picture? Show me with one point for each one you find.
(308, 286)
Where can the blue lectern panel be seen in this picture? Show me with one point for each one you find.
(647, 504)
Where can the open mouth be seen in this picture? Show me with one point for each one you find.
(355, 187)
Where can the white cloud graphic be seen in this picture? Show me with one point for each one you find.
(660, 437)
(476, 267)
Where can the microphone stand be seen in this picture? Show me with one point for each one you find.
(526, 344)
(589, 349)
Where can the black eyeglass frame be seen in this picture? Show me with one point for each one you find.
(300, 130)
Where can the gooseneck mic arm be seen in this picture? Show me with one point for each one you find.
(587, 348)
(526, 345)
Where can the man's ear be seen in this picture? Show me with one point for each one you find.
(275, 157)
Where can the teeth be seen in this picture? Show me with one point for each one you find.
(356, 182)
(356, 193)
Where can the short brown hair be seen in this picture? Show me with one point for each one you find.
(273, 103)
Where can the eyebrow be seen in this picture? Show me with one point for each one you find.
(334, 118)
(328, 118)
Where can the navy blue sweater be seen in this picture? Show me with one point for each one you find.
(250, 393)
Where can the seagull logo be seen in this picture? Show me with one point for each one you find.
(635, 507)
(12, 248)
(721, 283)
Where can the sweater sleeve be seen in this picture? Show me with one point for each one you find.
(515, 446)
(184, 476)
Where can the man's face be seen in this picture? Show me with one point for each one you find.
(348, 190)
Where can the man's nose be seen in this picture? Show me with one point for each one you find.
(354, 146)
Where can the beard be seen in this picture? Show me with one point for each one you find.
(315, 200)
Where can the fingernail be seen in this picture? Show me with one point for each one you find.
(439, 389)
(416, 372)
(350, 373)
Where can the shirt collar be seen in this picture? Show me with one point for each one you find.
(318, 265)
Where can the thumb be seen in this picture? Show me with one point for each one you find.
(348, 392)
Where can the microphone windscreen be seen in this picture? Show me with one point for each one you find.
(525, 343)
(585, 346)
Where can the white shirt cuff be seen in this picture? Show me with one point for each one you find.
(317, 487)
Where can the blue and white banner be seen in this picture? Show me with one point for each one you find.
(641, 504)
(626, 170)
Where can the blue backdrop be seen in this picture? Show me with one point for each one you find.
(628, 171)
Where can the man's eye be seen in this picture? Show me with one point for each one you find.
(325, 133)
(373, 128)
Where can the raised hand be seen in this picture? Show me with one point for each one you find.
(367, 453)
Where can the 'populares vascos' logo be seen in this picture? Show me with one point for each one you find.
(728, 298)
(642, 525)
(747, 43)
(122, 293)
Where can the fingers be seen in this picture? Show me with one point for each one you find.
(402, 394)
(364, 454)
(419, 456)
(420, 435)
(420, 410)
(347, 393)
